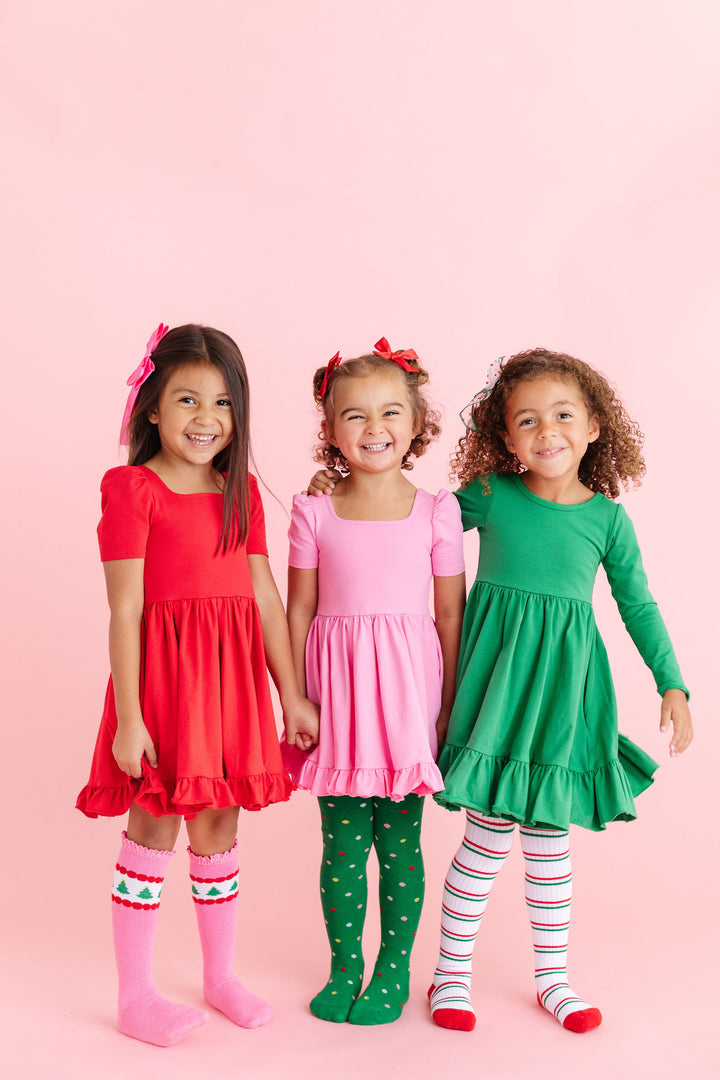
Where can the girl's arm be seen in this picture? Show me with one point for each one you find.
(302, 608)
(126, 595)
(623, 565)
(300, 716)
(449, 603)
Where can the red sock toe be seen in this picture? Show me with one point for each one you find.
(583, 1020)
(455, 1019)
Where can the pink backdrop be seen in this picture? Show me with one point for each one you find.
(466, 177)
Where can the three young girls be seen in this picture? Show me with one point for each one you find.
(532, 739)
(188, 729)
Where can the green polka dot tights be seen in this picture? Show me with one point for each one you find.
(350, 827)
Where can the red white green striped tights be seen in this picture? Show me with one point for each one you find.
(548, 893)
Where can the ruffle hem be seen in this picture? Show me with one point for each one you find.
(546, 796)
(307, 774)
(186, 795)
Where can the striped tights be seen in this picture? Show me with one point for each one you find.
(548, 891)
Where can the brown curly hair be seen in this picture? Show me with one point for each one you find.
(425, 418)
(613, 459)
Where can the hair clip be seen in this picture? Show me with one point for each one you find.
(142, 372)
(493, 374)
(336, 361)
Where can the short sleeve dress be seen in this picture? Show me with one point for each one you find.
(373, 658)
(204, 690)
(533, 736)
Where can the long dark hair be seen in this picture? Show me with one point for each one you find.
(193, 344)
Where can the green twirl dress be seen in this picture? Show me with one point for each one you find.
(533, 735)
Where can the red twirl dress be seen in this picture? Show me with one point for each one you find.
(204, 690)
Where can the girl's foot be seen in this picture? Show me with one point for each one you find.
(572, 1012)
(382, 1000)
(157, 1021)
(450, 1006)
(240, 1005)
(336, 998)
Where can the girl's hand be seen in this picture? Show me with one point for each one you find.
(323, 482)
(674, 710)
(302, 724)
(130, 743)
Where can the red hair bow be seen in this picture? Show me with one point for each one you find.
(332, 364)
(382, 348)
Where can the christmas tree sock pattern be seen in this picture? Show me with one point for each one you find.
(142, 1013)
(485, 846)
(347, 831)
(548, 893)
(396, 835)
(214, 882)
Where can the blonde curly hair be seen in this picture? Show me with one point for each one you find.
(426, 419)
(613, 459)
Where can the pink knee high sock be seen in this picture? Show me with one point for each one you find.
(214, 881)
(142, 1013)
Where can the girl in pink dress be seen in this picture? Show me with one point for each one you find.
(381, 669)
(195, 617)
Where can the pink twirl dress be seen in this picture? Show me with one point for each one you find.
(373, 660)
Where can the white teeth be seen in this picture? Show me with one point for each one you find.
(375, 448)
(202, 440)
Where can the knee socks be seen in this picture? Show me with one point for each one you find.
(484, 848)
(142, 1012)
(214, 880)
(396, 836)
(548, 892)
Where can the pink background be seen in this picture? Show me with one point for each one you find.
(466, 177)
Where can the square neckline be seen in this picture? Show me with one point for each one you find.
(375, 521)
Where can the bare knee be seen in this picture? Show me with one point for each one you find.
(213, 831)
(159, 834)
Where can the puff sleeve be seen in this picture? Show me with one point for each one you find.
(127, 506)
(256, 543)
(475, 504)
(447, 546)
(302, 534)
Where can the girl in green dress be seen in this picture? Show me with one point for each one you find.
(533, 739)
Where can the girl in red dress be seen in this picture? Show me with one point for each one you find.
(195, 621)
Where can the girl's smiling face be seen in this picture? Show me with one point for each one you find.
(548, 428)
(194, 415)
(373, 422)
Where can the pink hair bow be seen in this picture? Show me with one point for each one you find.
(144, 369)
(382, 348)
(332, 364)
